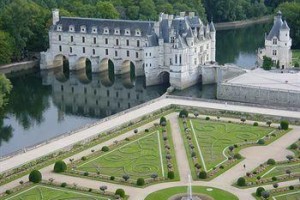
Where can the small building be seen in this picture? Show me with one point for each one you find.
(277, 44)
(171, 48)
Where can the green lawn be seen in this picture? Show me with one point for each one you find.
(296, 56)
(40, 192)
(215, 193)
(214, 136)
(288, 196)
(280, 170)
(137, 158)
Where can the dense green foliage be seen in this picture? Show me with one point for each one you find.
(60, 166)
(284, 125)
(5, 88)
(267, 63)
(183, 113)
(241, 181)
(120, 192)
(259, 190)
(35, 176)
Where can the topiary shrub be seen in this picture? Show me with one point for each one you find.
(8, 192)
(294, 146)
(291, 187)
(274, 178)
(275, 185)
(112, 178)
(241, 181)
(171, 175)
(271, 162)
(63, 184)
(259, 190)
(183, 113)
(265, 194)
(120, 192)
(85, 174)
(202, 175)
(35, 176)
(105, 149)
(140, 182)
(255, 124)
(83, 158)
(162, 119)
(207, 118)
(284, 124)
(60, 166)
(261, 141)
(237, 156)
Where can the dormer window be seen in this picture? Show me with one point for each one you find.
(127, 31)
(137, 32)
(117, 31)
(71, 28)
(275, 41)
(59, 27)
(82, 29)
(106, 31)
(94, 29)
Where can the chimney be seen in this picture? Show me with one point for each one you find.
(182, 14)
(191, 14)
(55, 16)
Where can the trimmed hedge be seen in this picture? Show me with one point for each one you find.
(202, 175)
(271, 162)
(284, 124)
(171, 175)
(241, 181)
(140, 182)
(35, 176)
(183, 113)
(120, 192)
(259, 190)
(60, 166)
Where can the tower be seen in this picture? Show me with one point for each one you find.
(55, 16)
(213, 41)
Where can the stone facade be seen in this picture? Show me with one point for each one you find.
(171, 47)
(277, 44)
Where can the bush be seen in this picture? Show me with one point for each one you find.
(171, 175)
(275, 185)
(193, 154)
(146, 130)
(60, 166)
(271, 162)
(265, 194)
(207, 118)
(140, 182)
(202, 175)
(183, 113)
(294, 146)
(112, 178)
(291, 187)
(255, 124)
(85, 174)
(297, 65)
(63, 184)
(261, 141)
(120, 192)
(237, 156)
(241, 181)
(259, 190)
(284, 125)
(90, 190)
(258, 177)
(8, 192)
(105, 149)
(136, 131)
(274, 178)
(83, 158)
(162, 119)
(35, 176)
(267, 63)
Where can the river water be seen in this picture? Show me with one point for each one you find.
(45, 105)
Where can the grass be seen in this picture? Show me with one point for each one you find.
(215, 193)
(288, 196)
(138, 158)
(41, 192)
(296, 56)
(280, 170)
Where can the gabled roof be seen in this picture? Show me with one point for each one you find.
(276, 27)
(285, 26)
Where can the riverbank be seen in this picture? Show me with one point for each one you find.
(19, 66)
(242, 23)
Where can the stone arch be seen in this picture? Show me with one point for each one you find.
(129, 67)
(59, 60)
(106, 64)
(164, 77)
(84, 67)
(62, 68)
(107, 72)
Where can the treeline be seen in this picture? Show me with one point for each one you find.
(24, 24)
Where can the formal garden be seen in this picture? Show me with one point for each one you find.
(147, 157)
(291, 192)
(213, 144)
(205, 192)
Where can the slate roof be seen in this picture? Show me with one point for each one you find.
(276, 27)
(132, 25)
(285, 26)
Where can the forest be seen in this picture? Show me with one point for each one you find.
(24, 24)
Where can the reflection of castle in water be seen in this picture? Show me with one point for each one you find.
(97, 95)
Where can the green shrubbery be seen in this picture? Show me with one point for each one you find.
(171, 175)
(271, 162)
(35, 176)
(255, 124)
(60, 166)
(105, 149)
(259, 190)
(284, 124)
(120, 192)
(261, 141)
(202, 175)
(140, 182)
(241, 181)
(183, 113)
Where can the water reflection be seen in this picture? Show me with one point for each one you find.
(47, 104)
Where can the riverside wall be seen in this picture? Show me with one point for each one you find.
(258, 95)
(15, 67)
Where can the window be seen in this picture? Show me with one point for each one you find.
(59, 27)
(274, 41)
(274, 52)
(172, 39)
(127, 32)
(82, 29)
(95, 40)
(116, 53)
(137, 32)
(94, 29)
(128, 95)
(207, 46)
(179, 59)
(107, 93)
(175, 59)
(71, 50)
(195, 61)
(59, 37)
(106, 31)
(127, 42)
(106, 40)
(138, 43)
(85, 90)
(94, 51)
(60, 48)
(128, 53)
(71, 28)
(146, 54)
(117, 31)
(83, 49)
(106, 51)
(137, 55)
(83, 39)
(117, 42)
(95, 92)
(72, 38)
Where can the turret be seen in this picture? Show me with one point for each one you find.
(55, 16)
(213, 41)
(284, 34)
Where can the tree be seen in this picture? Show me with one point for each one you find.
(267, 63)
(284, 124)
(196, 114)
(288, 172)
(171, 175)
(105, 149)
(60, 166)
(35, 176)
(183, 113)
(6, 48)
(269, 122)
(154, 176)
(147, 10)
(259, 190)
(103, 188)
(271, 162)
(275, 185)
(241, 181)
(243, 119)
(297, 65)
(5, 88)
(231, 148)
(120, 192)
(126, 177)
(294, 146)
(107, 10)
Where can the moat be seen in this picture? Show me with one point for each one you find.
(43, 106)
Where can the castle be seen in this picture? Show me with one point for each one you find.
(278, 44)
(171, 48)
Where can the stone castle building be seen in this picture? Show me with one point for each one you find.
(171, 48)
(278, 44)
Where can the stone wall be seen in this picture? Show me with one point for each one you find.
(14, 67)
(251, 94)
